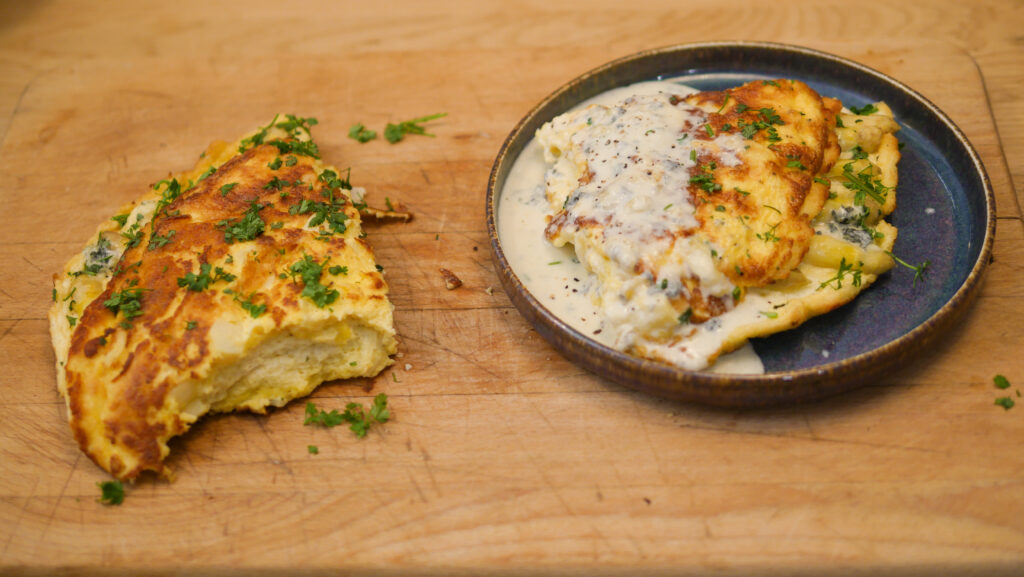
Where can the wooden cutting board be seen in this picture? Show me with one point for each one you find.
(501, 456)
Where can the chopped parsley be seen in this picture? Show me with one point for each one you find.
(396, 132)
(120, 219)
(336, 270)
(189, 325)
(865, 110)
(158, 241)
(254, 310)
(111, 492)
(706, 178)
(200, 282)
(859, 153)
(359, 419)
(225, 189)
(822, 181)
(332, 213)
(309, 270)
(313, 449)
(1005, 402)
(275, 164)
(127, 302)
(359, 132)
(684, 318)
(132, 235)
(1001, 382)
(796, 164)
(246, 228)
(766, 118)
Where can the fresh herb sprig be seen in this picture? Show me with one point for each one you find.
(396, 132)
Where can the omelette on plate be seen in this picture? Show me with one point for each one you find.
(711, 218)
(241, 284)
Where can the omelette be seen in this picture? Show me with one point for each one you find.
(239, 285)
(714, 217)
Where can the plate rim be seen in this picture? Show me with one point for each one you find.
(725, 389)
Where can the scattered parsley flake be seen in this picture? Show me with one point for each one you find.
(865, 110)
(359, 132)
(1005, 402)
(157, 241)
(111, 492)
(355, 415)
(189, 325)
(309, 270)
(246, 228)
(396, 132)
(313, 449)
(1001, 382)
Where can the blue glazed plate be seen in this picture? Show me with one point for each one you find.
(945, 215)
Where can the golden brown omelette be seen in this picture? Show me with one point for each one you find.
(709, 218)
(241, 284)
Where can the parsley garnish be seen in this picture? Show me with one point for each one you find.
(309, 270)
(844, 269)
(254, 310)
(355, 415)
(361, 133)
(865, 110)
(863, 184)
(396, 132)
(822, 181)
(224, 190)
(275, 164)
(858, 153)
(189, 325)
(796, 164)
(331, 212)
(684, 318)
(291, 160)
(120, 219)
(128, 302)
(132, 235)
(111, 492)
(706, 179)
(303, 147)
(1001, 382)
(336, 270)
(313, 449)
(1005, 402)
(199, 282)
(246, 228)
(919, 270)
(158, 241)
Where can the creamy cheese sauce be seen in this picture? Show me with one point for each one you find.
(637, 186)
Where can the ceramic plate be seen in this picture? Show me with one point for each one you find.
(941, 176)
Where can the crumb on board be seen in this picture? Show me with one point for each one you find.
(451, 282)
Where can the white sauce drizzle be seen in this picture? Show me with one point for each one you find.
(624, 194)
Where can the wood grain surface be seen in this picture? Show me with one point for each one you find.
(502, 457)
